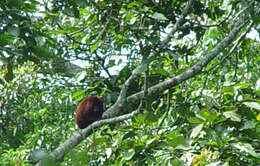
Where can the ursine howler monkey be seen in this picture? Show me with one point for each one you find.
(89, 110)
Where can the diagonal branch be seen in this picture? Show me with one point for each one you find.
(122, 96)
(195, 70)
(77, 137)
(233, 48)
(156, 89)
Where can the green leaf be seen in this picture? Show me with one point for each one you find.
(108, 152)
(100, 140)
(135, 3)
(78, 95)
(258, 117)
(15, 4)
(139, 119)
(214, 144)
(213, 136)
(128, 16)
(257, 86)
(163, 72)
(94, 46)
(5, 39)
(42, 51)
(208, 115)
(159, 16)
(196, 120)
(232, 115)
(254, 105)
(245, 147)
(133, 19)
(176, 140)
(196, 130)
(129, 154)
(177, 163)
(249, 125)
(150, 141)
(150, 116)
(242, 85)
(213, 32)
(14, 31)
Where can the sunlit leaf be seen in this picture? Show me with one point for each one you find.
(195, 131)
(258, 117)
(134, 3)
(133, 19)
(208, 115)
(159, 16)
(249, 125)
(257, 86)
(129, 154)
(196, 160)
(108, 152)
(232, 115)
(254, 105)
(94, 47)
(245, 147)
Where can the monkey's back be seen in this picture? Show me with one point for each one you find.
(89, 110)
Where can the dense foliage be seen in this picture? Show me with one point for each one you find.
(53, 53)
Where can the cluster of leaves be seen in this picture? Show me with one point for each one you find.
(216, 121)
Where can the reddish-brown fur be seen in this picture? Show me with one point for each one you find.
(89, 110)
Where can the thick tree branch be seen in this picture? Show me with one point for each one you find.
(77, 137)
(154, 90)
(196, 69)
(121, 101)
(233, 47)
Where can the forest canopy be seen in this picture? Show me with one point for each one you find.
(179, 78)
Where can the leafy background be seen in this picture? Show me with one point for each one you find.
(54, 53)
